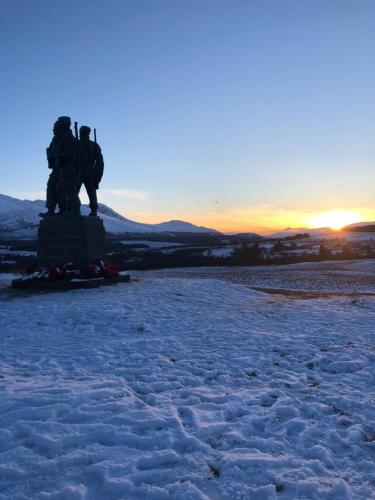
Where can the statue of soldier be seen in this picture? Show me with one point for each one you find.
(67, 160)
(52, 199)
(62, 155)
(91, 166)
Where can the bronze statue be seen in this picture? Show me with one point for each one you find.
(63, 182)
(68, 164)
(91, 166)
(73, 162)
(52, 199)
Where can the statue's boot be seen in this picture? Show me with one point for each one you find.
(73, 213)
(47, 214)
(93, 213)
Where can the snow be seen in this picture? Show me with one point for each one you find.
(266, 245)
(23, 219)
(5, 250)
(187, 387)
(340, 276)
(9, 204)
(155, 245)
(358, 236)
(219, 252)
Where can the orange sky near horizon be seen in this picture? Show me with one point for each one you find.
(261, 219)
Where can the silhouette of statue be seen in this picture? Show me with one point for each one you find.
(91, 166)
(52, 195)
(67, 161)
(62, 156)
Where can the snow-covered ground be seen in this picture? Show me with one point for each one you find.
(154, 245)
(187, 387)
(341, 276)
(219, 252)
(5, 250)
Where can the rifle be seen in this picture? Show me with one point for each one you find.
(77, 154)
(96, 157)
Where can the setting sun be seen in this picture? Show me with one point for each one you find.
(335, 219)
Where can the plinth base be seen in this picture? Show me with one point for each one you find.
(63, 239)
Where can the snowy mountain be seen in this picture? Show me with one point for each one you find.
(20, 219)
(181, 226)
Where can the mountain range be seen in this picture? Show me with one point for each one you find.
(323, 232)
(19, 219)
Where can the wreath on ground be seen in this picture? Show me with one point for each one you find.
(69, 271)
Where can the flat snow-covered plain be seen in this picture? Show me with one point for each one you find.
(189, 387)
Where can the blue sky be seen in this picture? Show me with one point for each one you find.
(234, 114)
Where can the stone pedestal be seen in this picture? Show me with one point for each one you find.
(63, 239)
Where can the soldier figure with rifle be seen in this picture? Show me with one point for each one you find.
(52, 199)
(62, 186)
(91, 166)
(73, 162)
(67, 160)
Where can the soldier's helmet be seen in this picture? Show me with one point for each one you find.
(61, 124)
(84, 131)
(64, 121)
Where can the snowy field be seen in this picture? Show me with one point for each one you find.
(5, 250)
(190, 387)
(154, 245)
(340, 276)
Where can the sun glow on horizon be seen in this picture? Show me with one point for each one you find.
(262, 219)
(335, 219)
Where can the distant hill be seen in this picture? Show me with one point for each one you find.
(321, 232)
(19, 219)
(179, 226)
(360, 227)
(247, 236)
(327, 232)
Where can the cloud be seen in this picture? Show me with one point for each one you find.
(130, 194)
